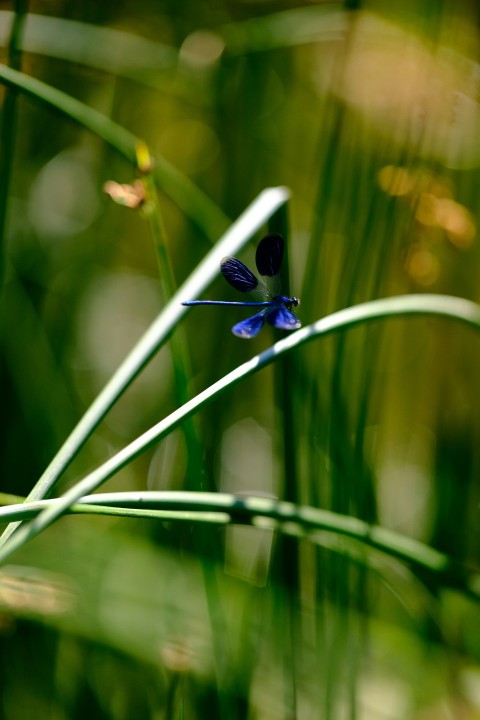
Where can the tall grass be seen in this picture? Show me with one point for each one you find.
(287, 526)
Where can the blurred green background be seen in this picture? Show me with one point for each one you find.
(369, 114)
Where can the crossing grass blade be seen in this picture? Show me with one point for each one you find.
(457, 309)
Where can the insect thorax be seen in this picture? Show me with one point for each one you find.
(287, 302)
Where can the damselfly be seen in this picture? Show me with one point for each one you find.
(277, 308)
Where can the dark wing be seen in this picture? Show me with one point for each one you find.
(283, 319)
(250, 327)
(238, 274)
(269, 255)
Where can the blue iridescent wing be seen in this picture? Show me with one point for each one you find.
(251, 326)
(269, 255)
(238, 274)
(283, 319)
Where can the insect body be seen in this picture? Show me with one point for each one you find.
(277, 309)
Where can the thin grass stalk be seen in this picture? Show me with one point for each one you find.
(330, 637)
(345, 474)
(178, 344)
(300, 521)
(8, 124)
(195, 467)
(286, 548)
(329, 182)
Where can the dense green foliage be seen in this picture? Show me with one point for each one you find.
(287, 526)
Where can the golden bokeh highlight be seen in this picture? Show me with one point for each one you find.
(396, 181)
(423, 266)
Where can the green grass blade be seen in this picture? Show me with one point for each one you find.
(106, 49)
(189, 198)
(232, 241)
(440, 305)
(223, 508)
(129, 55)
(286, 28)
